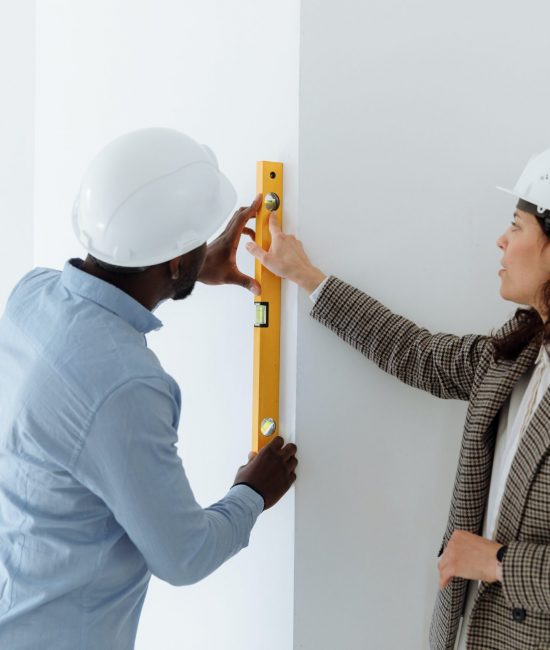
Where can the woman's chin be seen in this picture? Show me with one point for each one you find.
(507, 295)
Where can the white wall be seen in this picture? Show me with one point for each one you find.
(226, 73)
(17, 50)
(410, 114)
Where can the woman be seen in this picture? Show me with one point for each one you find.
(495, 557)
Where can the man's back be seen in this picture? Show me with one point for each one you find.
(62, 552)
(93, 494)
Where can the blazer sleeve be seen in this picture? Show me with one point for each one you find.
(441, 364)
(526, 576)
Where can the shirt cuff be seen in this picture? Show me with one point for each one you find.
(249, 496)
(317, 292)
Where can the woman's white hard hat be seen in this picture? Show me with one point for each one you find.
(533, 185)
(149, 196)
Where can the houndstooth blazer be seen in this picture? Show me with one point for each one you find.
(514, 615)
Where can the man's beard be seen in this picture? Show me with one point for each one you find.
(189, 269)
(183, 289)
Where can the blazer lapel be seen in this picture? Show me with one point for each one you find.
(476, 457)
(531, 451)
(498, 384)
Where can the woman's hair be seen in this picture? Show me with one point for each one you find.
(529, 325)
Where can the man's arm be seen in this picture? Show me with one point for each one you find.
(129, 459)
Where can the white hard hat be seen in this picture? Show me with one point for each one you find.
(533, 185)
(150, 196)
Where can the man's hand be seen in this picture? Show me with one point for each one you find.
(271, 471)
(468, 556)
(287, 258)
(220, 264)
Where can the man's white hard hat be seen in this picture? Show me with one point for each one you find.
(534, 183)
(150, 196)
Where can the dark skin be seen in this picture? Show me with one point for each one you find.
(218, 265)
(271, 472)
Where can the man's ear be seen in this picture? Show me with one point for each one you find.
(174, 266)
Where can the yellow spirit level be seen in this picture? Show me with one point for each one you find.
(267, 325)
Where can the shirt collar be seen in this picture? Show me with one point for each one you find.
(108, 296)
(543, 356)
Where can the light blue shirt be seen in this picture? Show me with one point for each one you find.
(93, 495)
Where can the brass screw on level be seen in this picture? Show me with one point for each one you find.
(268, 426)
(272, 202)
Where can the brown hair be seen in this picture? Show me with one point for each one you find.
(529, 325)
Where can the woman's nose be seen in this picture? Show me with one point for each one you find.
(501, 241)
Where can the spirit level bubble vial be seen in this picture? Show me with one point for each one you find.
(267, 324)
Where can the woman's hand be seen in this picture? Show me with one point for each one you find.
(468, 556)
(220, 264)
(287, 258)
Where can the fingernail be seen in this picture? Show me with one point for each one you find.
(255, 291)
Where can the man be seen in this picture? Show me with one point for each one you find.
(93, 495)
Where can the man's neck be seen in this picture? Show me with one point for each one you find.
(140, 288)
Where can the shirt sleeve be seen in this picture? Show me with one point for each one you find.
(129, 459)
(314, 295)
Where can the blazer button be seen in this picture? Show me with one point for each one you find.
(519, 615)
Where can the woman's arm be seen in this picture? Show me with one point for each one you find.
(525, 569)
(441, 364)
(526, 576)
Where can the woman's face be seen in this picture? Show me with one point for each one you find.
(525, 261)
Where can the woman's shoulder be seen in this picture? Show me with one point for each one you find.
(512, 325)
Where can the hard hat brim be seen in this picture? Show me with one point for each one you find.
(503, 189)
